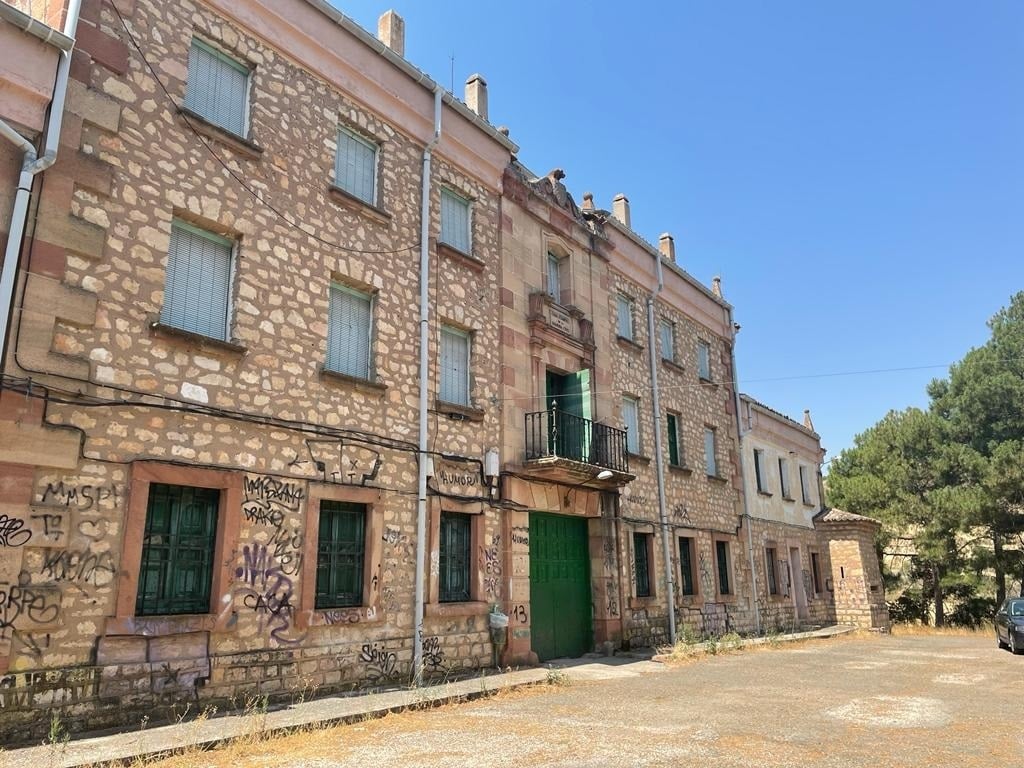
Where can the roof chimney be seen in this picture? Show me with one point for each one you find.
(807, 420)
(391, 31)
(620, 209)
(667, 246)
(588, 201)
(476, 94)
(716, 286)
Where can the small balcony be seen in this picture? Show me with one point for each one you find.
(556, 437)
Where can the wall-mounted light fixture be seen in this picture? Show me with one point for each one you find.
(604, 474)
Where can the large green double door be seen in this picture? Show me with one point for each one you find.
(560, 598)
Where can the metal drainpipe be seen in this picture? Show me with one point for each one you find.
(659, 462)
(31, 165)
(421, 501)
(743, 476)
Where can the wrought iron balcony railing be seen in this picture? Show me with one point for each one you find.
(558, 434)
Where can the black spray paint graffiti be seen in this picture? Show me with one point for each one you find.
(286, 546)
(78, 566)
(267, 591)
(381, 661)
(521, 536)
(519, 614)
(13, 532)
(433, 654)
(268, 500)
(33, 643)
(53, 525)
(490, 565)
(37, 606)
(339, 462)
(80, 496)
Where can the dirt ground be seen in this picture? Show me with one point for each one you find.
(879, 701)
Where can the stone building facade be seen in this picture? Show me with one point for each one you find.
(192, 513)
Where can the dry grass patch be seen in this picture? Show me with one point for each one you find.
(925, 630)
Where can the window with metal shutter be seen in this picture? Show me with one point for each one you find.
(624, 309)
(704, 360)
(454, 375)
(668, 342)
(349, 332)
(355, 166)
(455, 221)
(710, 460)
(454, 558)
(198, 289)
(218, 87)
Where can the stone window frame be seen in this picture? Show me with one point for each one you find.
(779, 595)
(732, 596)
(478, 604)
(814, 552)
(370, 610)
(652, 581)
(557, 248)
(698, 589)
(229, 511)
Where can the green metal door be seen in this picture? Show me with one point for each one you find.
(560, 602)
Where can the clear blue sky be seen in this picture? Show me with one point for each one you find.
(854, 171)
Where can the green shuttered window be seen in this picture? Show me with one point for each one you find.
(641, 564)
(218, 88)
(340, 553)
(674, 456)
(355, 166)
(177, 550)
(350, 332)
(454, 364)
(455, 221)
(454, 558)
(197, 295)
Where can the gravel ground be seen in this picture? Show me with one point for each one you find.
(886, 701)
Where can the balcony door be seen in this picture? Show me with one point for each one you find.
(568, 395)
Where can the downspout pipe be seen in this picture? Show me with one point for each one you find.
(740, 435)
(659, 459)
(32, 164)
(421, 498)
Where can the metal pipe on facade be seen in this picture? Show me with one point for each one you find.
(659, 459)
(31, 165)
(421, 498)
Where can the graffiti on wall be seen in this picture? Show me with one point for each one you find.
(267, 590)
(268, 500)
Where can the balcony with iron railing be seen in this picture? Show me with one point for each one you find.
(557, 436)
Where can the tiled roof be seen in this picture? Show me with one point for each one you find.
(780, 414)
(841, 516)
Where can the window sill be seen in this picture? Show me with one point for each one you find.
(638, 457)
(359, 205)
(466, 259)
(788, 498)
(718, 479)
(240, 144)
(164, 331)
(469, 608)
(364, 385)
(648, 601)
(769, 494)
(810, 504)
(705, 380)
(455, 411)
(179, 624)
(672, 365)
(629, 344)
(725, 598)
(682, 469)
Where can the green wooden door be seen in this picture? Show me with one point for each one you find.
(560, 601)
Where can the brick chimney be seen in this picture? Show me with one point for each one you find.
(667, 246)
(716, 286)
(476, 94)
(620, 209)
(807, 420)
(391, 31)
(588, 201)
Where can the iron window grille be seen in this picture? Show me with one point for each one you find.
(340, 554)
(722, 554)
(176, 572)
(454, 558)
(641, 565)
(686, 565)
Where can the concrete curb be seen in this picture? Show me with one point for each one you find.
(825, 633)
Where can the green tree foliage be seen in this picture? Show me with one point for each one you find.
(948, 483)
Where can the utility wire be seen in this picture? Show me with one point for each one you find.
(242, 182)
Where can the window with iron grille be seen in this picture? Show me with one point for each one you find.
(675, 456)
(771, 558)
(686, 565)
(176, 572)
(340, 554)
(197, 293)
(816, 572)
(668, 341)
(455, 221)
(641, 564)
(217, 88)
(454, 365)
(350, 332)
(722, 559)
(454, 552)
(704, 360)
(624, 316)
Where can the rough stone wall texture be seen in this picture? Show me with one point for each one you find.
(260, 410)
(698, 506)
(859, 592)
